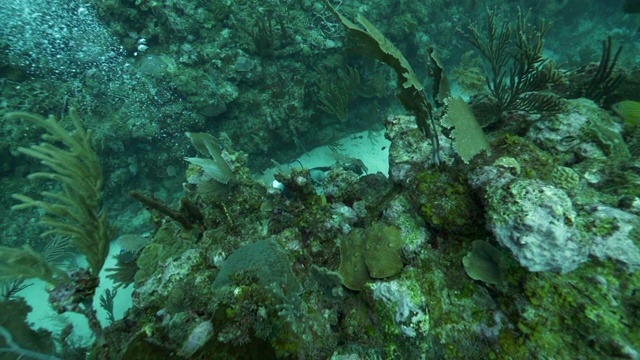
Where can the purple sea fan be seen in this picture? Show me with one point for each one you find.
(199, 336)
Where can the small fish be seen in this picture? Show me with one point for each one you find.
(628, 110)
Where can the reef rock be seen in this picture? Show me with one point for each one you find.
(533, 219)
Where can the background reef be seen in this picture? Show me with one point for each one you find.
(527, 247)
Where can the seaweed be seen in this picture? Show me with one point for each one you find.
(603, 82)
(518, 69)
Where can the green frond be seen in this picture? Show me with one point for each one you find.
(9, 289)
(336, 91)
(604, 82)
(26, 202)
(25, 263)
(59, 197)
(56, 250)
(75, 211)
(124, 272)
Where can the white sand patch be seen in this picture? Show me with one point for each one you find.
(369, 147)
(43, 315)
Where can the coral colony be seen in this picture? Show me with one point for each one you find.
(296, 179)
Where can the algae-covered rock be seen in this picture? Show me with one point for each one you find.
(585, 126)
(165, 284)
(147, 262)
(616, 236)
(537, 222)
(408, 312)
(327, 281)
(446, 203)
(165, 245)
(595, 304)
(408, 152)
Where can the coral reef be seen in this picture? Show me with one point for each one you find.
(528, 249)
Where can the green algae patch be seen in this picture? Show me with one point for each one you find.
(372, 253)
(483, 263)
(594, 304)
(447, 203)
(383, 248)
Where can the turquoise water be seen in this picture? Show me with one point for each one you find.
(295, 179)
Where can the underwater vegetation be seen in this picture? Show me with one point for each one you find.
(507, 226)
